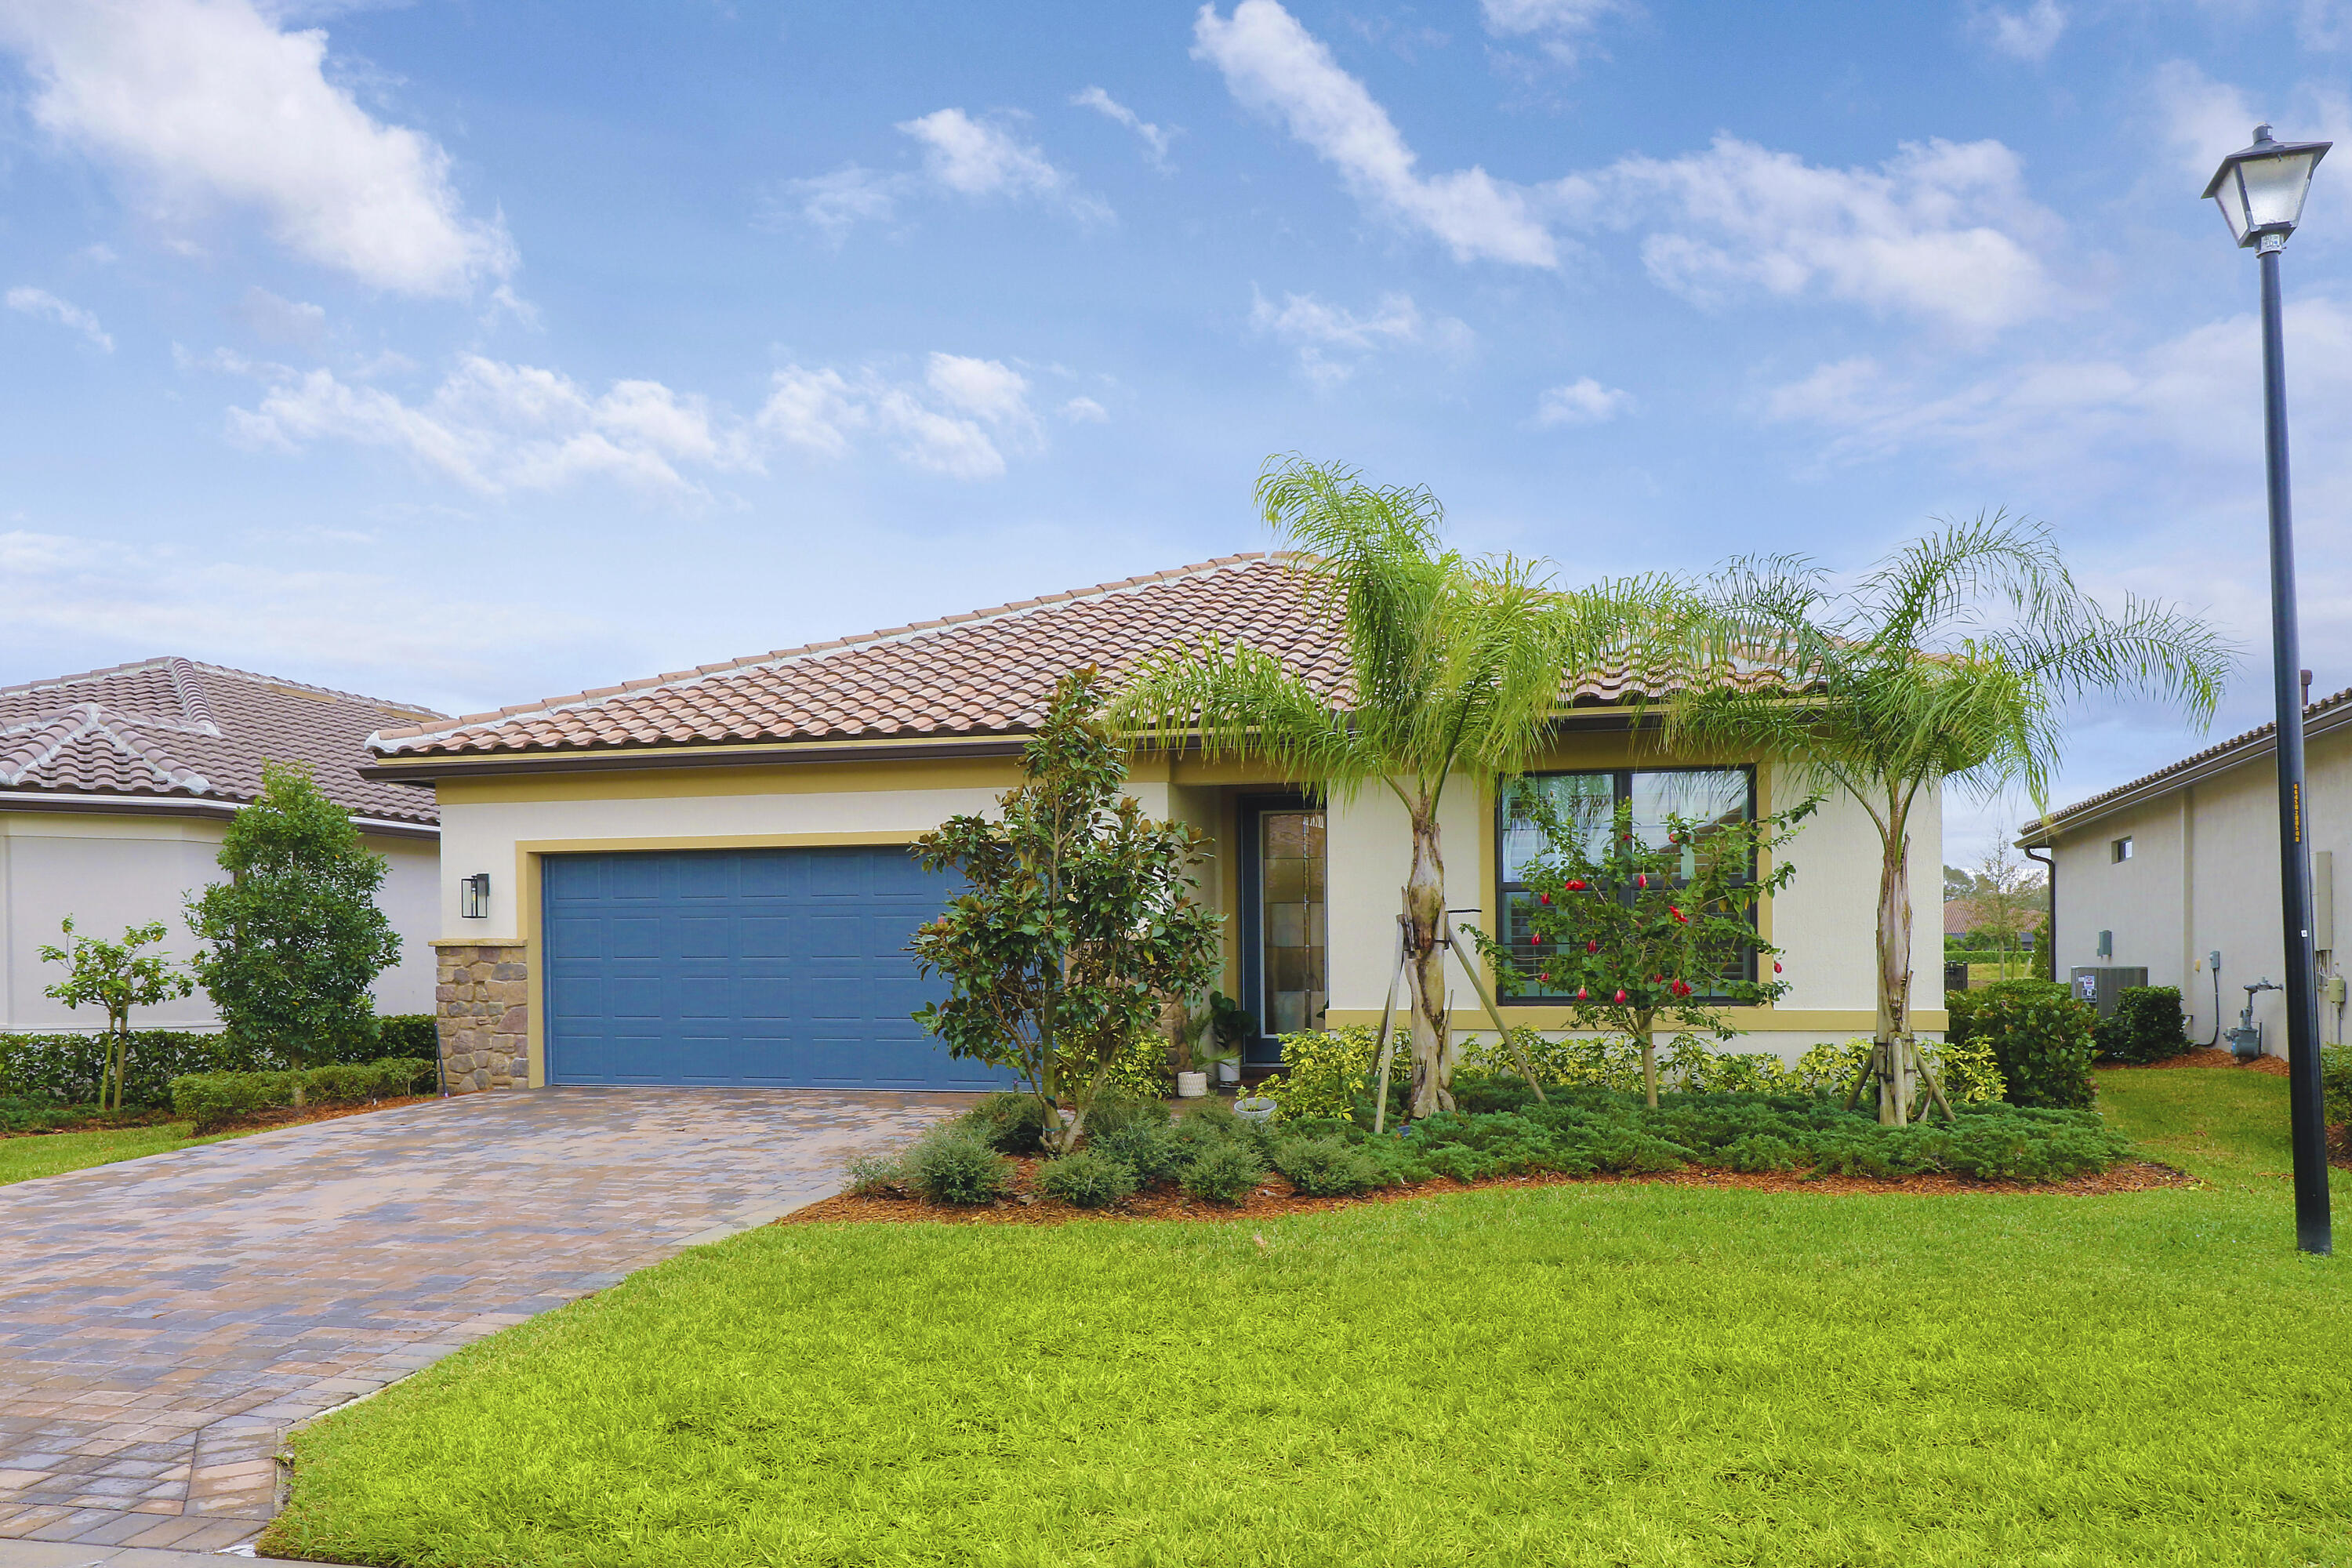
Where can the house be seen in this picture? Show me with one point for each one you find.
(116, 787)
(702, 877)
(2169, 869)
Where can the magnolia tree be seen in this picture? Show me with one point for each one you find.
(116, 976)
(295, 935)
(1639, 934)
(1078, 921)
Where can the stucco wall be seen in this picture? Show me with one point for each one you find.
(2204, 875)
(113, 871)
(1825, 921)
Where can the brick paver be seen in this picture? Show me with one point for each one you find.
(164, 1320)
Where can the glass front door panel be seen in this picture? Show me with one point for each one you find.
(1290, 921)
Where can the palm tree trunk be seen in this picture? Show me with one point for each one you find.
(1424, 912)
(1891, 1053)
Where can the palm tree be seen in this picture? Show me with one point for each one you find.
(1455, 668)
(1947, 663)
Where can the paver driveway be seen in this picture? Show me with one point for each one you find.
(164, 1320)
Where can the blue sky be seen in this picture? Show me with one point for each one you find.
(470, 352)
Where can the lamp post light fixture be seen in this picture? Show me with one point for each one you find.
(2260, 191)
(474, 896)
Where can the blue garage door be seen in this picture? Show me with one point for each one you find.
(784, 968)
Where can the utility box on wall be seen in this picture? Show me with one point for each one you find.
(2103, 987)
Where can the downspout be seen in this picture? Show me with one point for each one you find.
(2050, 862)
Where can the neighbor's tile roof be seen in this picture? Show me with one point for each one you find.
(2259, 741)
(173, 728)
(990, 672)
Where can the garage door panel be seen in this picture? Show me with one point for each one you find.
(782, 967)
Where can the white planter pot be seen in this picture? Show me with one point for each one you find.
(1229, 1073)
(1252, 1108)
(1191, 1084)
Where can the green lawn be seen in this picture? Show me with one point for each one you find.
(1608, 1374)
(52, 1154)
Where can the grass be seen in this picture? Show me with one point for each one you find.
(54, 1153)
(1600, 1374)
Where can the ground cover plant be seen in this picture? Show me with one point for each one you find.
(1587, 1374)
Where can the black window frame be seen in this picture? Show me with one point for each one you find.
(1621, 792)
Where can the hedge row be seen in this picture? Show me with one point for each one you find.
(64, 1069)
(212, 1098)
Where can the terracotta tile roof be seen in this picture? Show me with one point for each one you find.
(172, 728)
(990, 672)
(2258, 742)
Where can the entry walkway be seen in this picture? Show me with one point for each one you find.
(164, 1320)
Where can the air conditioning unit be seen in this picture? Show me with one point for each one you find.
(2103, 987)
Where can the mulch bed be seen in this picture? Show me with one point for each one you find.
(280, 1116)
(1276, 1198)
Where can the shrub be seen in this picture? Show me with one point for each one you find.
(1111, 1115)
(66, 1067)
(956, 1164)
(1139, 1072)
(1223, 1172)
(406, 1034)
(212, 1100)
(1326, 1167)
(2041, 1034)
(1009, 1123)
(2335, 1077)
(1088, 1179)
(1152, 1151)
(2147, 1026)
(870, 1173)
(1326, 1072)
(1969, 1070)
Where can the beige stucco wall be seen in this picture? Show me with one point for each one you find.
(113, 871)
(505, 826)
(2204, 875)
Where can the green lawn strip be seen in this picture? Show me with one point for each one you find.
(54, 1153)
(1604, 1374)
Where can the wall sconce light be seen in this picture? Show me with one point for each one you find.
(474, 896)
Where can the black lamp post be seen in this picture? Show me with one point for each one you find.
(2261, 191)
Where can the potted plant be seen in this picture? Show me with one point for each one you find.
(1208, 1039)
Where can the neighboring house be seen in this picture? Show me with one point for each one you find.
(115, 789)
(2163, 871)
(702, 878)
(1960, 917)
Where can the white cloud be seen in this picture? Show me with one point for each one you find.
(1556, 24)
(1583, 400)
(1276, 67)
(1085, 410)
(48, 307)
(205, 102)
(275, 320)
(2204, 119)
(1942, 230)
(496, 428)
(2196, 398)
(972, 158)
(850, 195)
(1155, 140)
(1332, 339)
(2027, 35)
(959, 420)
(101, 599)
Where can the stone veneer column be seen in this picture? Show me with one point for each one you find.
(482, 1000)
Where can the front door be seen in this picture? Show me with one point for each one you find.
(1283, 980)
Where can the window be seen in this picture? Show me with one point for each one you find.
(1590, 800)
(2120, 850)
